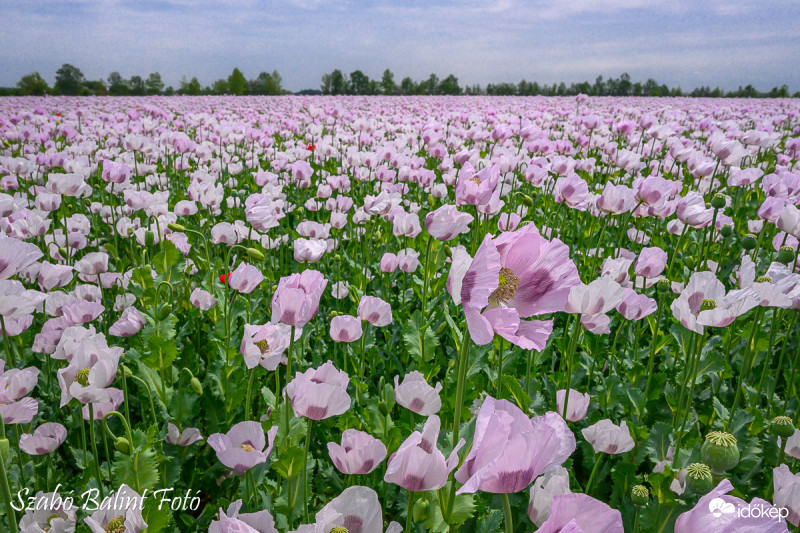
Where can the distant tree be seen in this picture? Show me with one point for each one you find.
(237, 83)
(32, 84)
(169, 91)
(359, 83)
(431, 85)
(220, 87)
(192, 87)
(388, 87)
(154, 84)
(407, 86)
(624, 85)
(449, 85)
(117, 84)
(338, 83)
(137, 86)
(94, 88)
(325, 88)
(69, 80)
(267, 83)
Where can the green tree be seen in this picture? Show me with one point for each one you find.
(407, 86)
(136, 85)
(154, 83)
(192, 87)
(237, 83)
(388, 86)
(449, 85)
(220, 87)
(338, 83)
(94, 88)
(117, 84)
(359, 83)
(69, 80)
(32, 84)
(431, 85)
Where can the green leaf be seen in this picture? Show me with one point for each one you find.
(658, 442)
(138, 470)
(157, 520)
(413, 338)
(520, 396)
(167, 258)
(490, 523)
(290, 463)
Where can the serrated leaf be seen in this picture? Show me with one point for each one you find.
(520, 396)
(138, 470)
(658, 442)
(490, 523)
(413, 337)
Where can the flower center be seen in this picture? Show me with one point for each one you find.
(339, 529)
(247, 448)
(82, 377)
(707, 304)
(116, 525)
(475, 180)
(763, 279)
(507, 285)
(698, 471)
(263, 346)
(720, 438)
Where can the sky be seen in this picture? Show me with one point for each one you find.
(677, 42)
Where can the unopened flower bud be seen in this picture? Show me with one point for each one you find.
(149, 238)
(122, 445)
(421, 510)
(255, 254)
(196, 386)
(726, 231)
(176, 227)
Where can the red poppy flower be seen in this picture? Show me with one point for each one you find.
(311, 147)
(223, 278)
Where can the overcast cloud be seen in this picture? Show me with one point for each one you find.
(678, 42)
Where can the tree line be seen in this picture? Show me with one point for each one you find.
(336, 82)
(71, 81)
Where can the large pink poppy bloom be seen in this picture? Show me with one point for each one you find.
(516, 275)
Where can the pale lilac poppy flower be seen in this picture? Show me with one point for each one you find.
(375, 311)
(319, 393)
(359, 452)
(44, 439)
(598, 297)
(345, 328)
(296, 300)
(243, 446)
(187, 437)
(408, 260)
(579, 513)
(101, 408)
(91, 369)
(232, 521)
(356, 509)
(16, 301)
(476, 188)
(720, 308)
(51, 276)
(415, 394)
(546, 486)
(92, 264)
(15, 385)
(651, 262)
(718, 512)
(447, 222)
(128, 325)
(418, 465)
(202, 299)
(606, 437)
(123, 514)
(245, 278)
(265, 344)
(79, 311)
(510, 450)
(49, 513)
(635, 306)
(787, 492)
(16, 255)
(309, 250)
(599, 324)
(578, 404)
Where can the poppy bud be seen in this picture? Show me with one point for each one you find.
(782, 426)
(448, 251)
(726, 231)
(127, 371)
(526, 200)
(640, 495)
(63, 253)
(719, 452)
(421, 510)
(196, 386)
(164, 312)
(122, 445)
(149, 238)
(176, 227)
(255, 254)
(699, 479)
(749, 241)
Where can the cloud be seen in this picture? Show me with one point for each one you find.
(683, 42)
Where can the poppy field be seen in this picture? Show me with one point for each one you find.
(336, 314)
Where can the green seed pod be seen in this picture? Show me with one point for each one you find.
(782, 426)
(726, 231)
(422, 510)
(122, 445)
(640, 495)
(196, 386)
(149, 238)
(763, 279)
(699, 479)
(786, 255)
(719, 452)
(255, 254)
(164, 312)
(176, 227)
(749, 242)
(718, 201)
(431, 199)
(708, 304)
(664, 284)
(339, 529)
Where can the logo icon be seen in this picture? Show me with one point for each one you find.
(719, 507)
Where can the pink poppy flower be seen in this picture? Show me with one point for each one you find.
(704, 302)
(296, 300)
(447, 222)
(128, 325)
(651, 262)
(232, 521)
(510, 450)
(50, 512)
(375, 311)
(418, 465)
(416, 395)
(606, 437)
(245, 278)
(476, 188)
(91, 369)
(202, 300)
(345, 328)
(44, 439)
(578, 404)
(356, 509)
(579, 513)
(309, 250)
(389, 262)
(359, 452)
(635, 306)
(243, 446)
(187, 437)
(16, 255)
(126, 513)
(265, 344)
(319, 393)
(546, 486)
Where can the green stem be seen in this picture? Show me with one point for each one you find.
(572, 345)
(305, 470)
(94, 450)
(508, 518)
(592, 475)
(10, 515)
(409, 512)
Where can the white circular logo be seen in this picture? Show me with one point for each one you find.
(719, 507)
